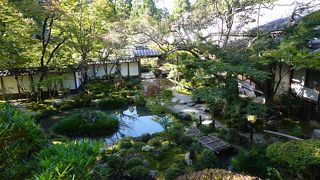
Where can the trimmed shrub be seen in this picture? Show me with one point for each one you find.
(113, 102)
(256, 155)
(20, 137)
(139, 100)
(176, 170)
(134, 162)
(185, 141)
(298, 156)
(215, 174)
(89, 124)
(81, 100)
(207, 160)
(156, 141)
(67, 160)
(125, 144)
(139, 172)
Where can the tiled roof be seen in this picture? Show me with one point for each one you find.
(146, 53)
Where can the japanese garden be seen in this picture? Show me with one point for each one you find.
(160, 89)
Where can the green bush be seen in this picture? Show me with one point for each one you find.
(67, 105)
(256, 155)
(96, 88)
(207, 160)
(139, 172)
(20, 137)
(125, 144)
(176, 132)
(71, 160)
(185, 141)
(89, 124)
(139, 100)
(114, 161)
(81, 100)
(113, 102)
(133, 83)
(167, 94)
(176, 170)
(298, 156)
(156, 141)
(134, 162)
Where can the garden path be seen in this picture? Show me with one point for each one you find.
(184, 104)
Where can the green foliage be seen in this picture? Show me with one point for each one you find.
(20, 137)
(67, 160)
(215, 174)
(113, 102)
(89, 123)
(156, 141)
(81, 100)
(124, 144)
(256, 155)
(102, 171)
(185, 141)
(207, 160)
(176, 170)
(114, 162)
(297, 155)
(138, 172)
(139, 100)
(134, 162)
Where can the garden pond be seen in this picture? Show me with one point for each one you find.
(134, 121)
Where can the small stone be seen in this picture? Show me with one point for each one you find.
(145, 163)
(144, 137)
(153, 173)
(156, 152)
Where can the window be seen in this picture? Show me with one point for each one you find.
(313, 79)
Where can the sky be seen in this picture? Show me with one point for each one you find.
(168, 4)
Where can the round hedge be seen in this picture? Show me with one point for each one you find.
(297, 154)
(87, 124)
(112, 102)
(215, 174)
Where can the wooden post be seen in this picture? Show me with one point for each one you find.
(31, 83)
(75, 80)
(3, 89)
(128, 64)
(200, 120)
(139, 67)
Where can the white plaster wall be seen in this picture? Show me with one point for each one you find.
(10, 85)
(124, 69)
(134, 69)
(111, 66)
(90, 71)
(285, 81)
(68, 81)
(100, 70)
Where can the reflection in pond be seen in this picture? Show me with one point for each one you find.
(134, 121)
(134, 124)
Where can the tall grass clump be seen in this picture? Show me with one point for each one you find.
(70, 160)
(20, 137)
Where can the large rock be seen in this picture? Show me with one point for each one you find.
(145, 137)
(130, 156)
(153, 174)
(187, 158)
(145, 163)
(147, 148)
(316, 133)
